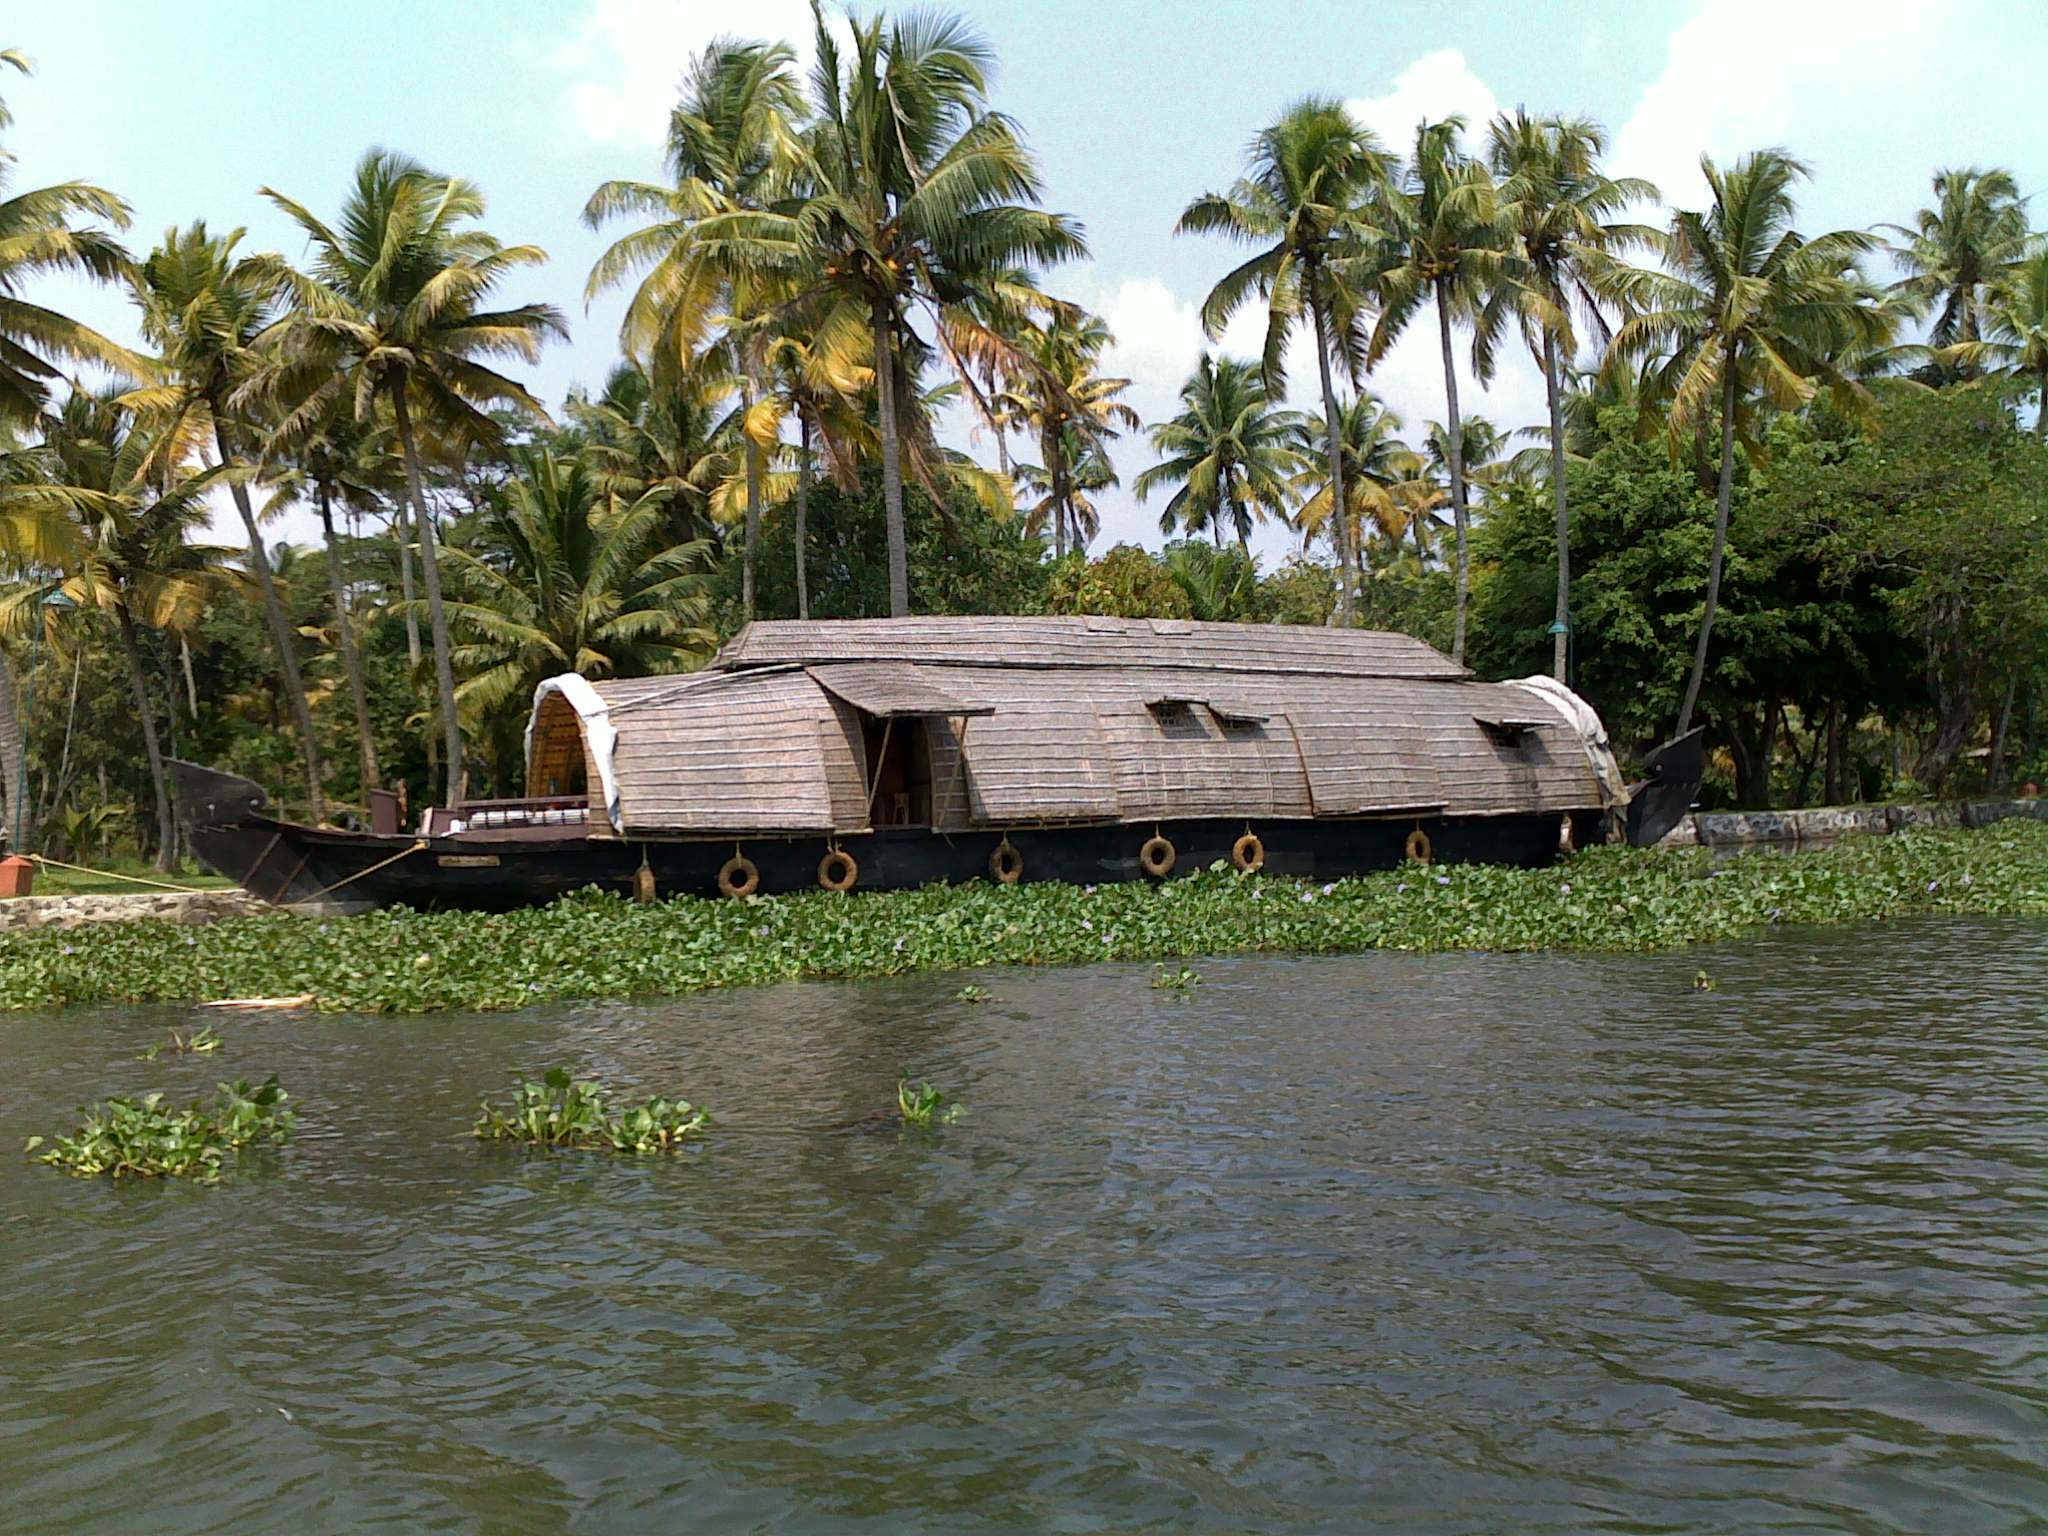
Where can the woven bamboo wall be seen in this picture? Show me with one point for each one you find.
(761, 747)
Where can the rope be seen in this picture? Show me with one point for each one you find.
(108, 874)
(418, 844)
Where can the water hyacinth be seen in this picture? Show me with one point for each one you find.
(594, 945)
(923, 1106)
(561, 1111)
(140, 1138)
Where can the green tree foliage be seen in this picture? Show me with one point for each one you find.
(1307, 197)
(563, 578)
(1229, 453)
(969, 560)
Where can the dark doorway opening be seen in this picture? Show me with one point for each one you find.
(899, 771)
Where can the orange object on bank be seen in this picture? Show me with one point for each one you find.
(17, 875)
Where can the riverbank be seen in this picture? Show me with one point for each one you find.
(604, 946)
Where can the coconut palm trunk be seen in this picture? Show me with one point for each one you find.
(131, 653)
(401, 528)
(1561, 626)
(753, 532)
(892, 460)
(1339, 531)
(1454, 457)
(803, 510)
(437, 614)
(280, 625)
(1722, 494)
(1049, 450)
(366, 741)
(13, 759)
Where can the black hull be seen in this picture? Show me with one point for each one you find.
(286, 863)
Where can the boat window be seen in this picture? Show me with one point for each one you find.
(1172, 711)
(1505, 732)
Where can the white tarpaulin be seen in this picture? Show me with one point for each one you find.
(1592, 734)
(598, 733)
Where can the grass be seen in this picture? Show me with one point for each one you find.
(103, 881)
(595, 945)
(140, 1138)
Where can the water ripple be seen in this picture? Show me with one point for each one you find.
(1450, 1243)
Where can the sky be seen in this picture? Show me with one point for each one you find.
(1133, 107)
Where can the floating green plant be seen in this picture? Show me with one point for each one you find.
(140, 1138)
(198, 1043)
(1702, 982)
(973, 994)
(1177, 980)
(593, 945)
(924, 1106)
(561, 1111)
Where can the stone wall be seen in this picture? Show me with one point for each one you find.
(1823, 824)
(176, 906)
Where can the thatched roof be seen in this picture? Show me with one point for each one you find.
(1077, 720)
(1088, 641)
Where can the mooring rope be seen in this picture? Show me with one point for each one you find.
(418, 844)
(108, 874)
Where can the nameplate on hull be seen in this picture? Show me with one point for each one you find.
(467, 860)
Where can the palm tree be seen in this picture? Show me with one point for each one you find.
(203, 307)
(1376, 466)
(1066, 498)
(1954, 252)
(392, 310)
(917, 196)
(1074, 412)
(569, 578)
(1308, 194)
(825, 393)
(681, 437)
(133, 508)
(341, 459)
(2016, 332)
(14, 58)
(1229, 451)
(1220, 585)
(39, 533)
(1452, 248)
(729, 150)
(1748, 313)
(38, 237)
(1562, 210)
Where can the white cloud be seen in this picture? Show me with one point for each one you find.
(627, 57)
(1159, 332)
(1435, 86)
(1827, 62)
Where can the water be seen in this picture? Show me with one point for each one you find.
(1455, 1243)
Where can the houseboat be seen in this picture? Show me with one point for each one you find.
(880, 754)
